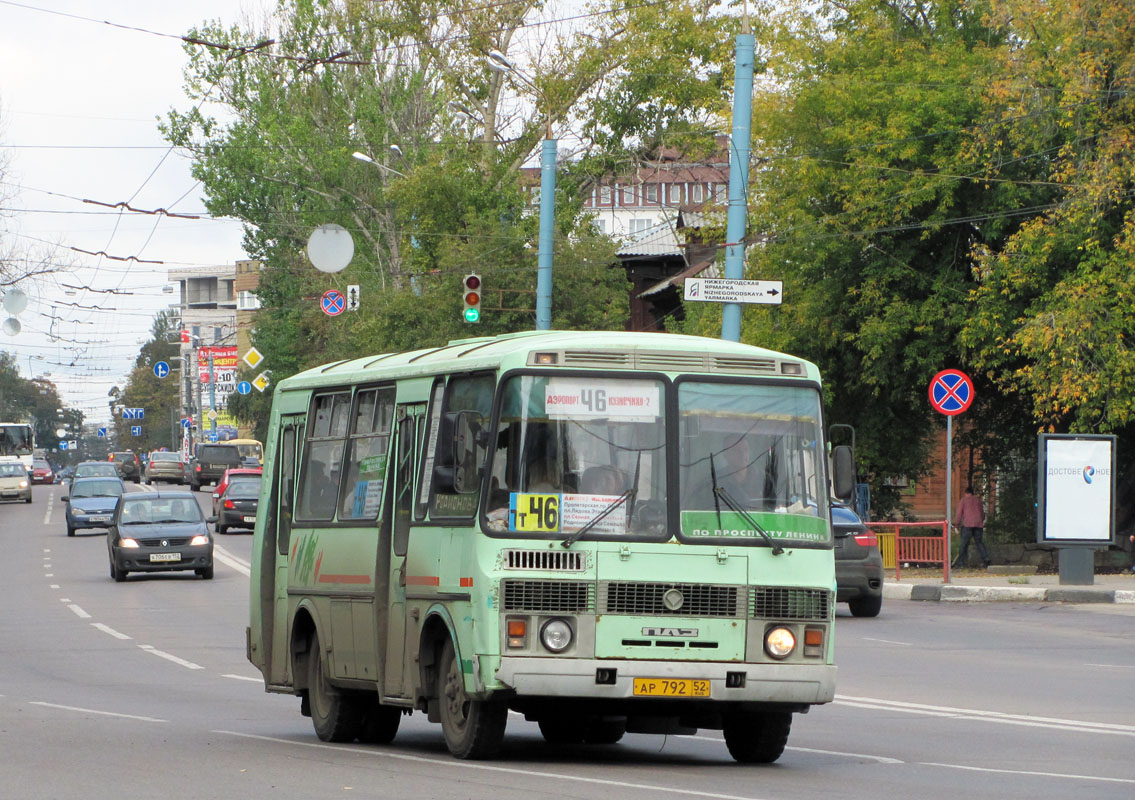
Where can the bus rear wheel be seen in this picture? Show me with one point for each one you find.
(757, 737)
(336, 715)
(473, 729)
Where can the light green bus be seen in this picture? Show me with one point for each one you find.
(606, 532)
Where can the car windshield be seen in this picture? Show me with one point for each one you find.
(751, 459)
(95, 470)
(243, 489)
(159, 510)
(41, 465)
(13, 471)
(165, 457)
(579, 455)
(97, 488)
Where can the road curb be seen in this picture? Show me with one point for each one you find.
(950, 593)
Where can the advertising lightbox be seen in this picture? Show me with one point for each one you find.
(1076, 489)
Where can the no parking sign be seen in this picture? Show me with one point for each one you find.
(951, 392)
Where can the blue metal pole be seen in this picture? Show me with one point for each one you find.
(547, 225)
(738, 179)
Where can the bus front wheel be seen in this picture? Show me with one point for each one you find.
(757, 737)
(473, 729)
(334, 714)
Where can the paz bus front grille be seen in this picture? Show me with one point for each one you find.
(783, 602)
(548, 596)
(696, 600)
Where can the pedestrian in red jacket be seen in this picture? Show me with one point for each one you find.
(971, 519)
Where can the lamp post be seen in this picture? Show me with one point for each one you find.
(395, 150)
(498, 62)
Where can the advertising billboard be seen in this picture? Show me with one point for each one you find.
(1076, 489)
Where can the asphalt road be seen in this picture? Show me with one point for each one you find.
(142, 690)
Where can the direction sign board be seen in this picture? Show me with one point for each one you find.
(353, 297)
(187, 422)
(212, 437)
(244, 387)
(253, 357)
(72, 445)
(102, 433)
(333, 303)
(951, 392)
(161, 369)
(726, 290)
(135, 430)
(133, 413)
(62, 445)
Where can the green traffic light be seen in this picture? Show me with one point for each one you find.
(472, 315)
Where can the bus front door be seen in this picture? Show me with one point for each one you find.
(291, 434)
(400, 485)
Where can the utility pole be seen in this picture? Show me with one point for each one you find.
(212, 399)
(738, 176)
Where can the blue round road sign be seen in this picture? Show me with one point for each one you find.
(951, 392)
(244, 387)
(161, 369)
(333, 303)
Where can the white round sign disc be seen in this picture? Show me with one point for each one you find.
(11, 326)
(330, 248)
(15, 301)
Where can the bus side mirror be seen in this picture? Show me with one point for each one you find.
(843, 472)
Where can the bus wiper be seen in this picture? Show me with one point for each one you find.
(735, 506)
(591, 523)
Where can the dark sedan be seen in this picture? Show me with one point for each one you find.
(236, 507)
(858, 563)
(91, 502)
(158, 532)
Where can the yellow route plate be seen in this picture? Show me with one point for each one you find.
(670, 687)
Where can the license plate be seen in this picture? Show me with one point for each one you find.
(249, 519)
(165, 557)
(99, 519)
(670, 687)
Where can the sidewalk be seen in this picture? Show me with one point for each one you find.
(1001, 585)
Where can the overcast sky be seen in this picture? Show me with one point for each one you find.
(78, 104)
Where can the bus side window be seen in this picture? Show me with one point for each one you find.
(467, 406)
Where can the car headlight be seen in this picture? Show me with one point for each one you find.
(556, 635)
(780, 642)
(199, 539)
(78, 512)
(23, 484)
(127, 543)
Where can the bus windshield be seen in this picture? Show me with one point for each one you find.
(751, 453)
(249, 448)
(15, 439)
(574, 452)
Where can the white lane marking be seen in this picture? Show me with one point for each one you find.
(880, 759)
(1065, 775)
(80, 613)
(47, 513)
(49, 575)
(55, 586)
(1026, 720)
(64, 599)
(466, 765)
(1112, 666)
(242, 678)
(47, 549)
(227, 558)
(110, 630)
(162, 654)
(93, 711)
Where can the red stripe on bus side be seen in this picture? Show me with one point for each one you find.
(344, 579)
(422, 580)
(466, 581)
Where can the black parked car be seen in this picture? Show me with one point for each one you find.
(128, 466)
(858, 563)
(210, 464)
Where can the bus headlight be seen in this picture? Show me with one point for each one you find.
(779, 642)
(556, 635)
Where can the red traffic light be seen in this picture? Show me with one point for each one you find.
(472, 282)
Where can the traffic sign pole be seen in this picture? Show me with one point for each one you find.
(951, 393)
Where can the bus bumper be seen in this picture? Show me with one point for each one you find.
(762, 683)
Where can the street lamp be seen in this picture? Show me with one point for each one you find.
(498, 62)
(364, 157)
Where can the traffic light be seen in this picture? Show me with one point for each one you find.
(471, 293)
